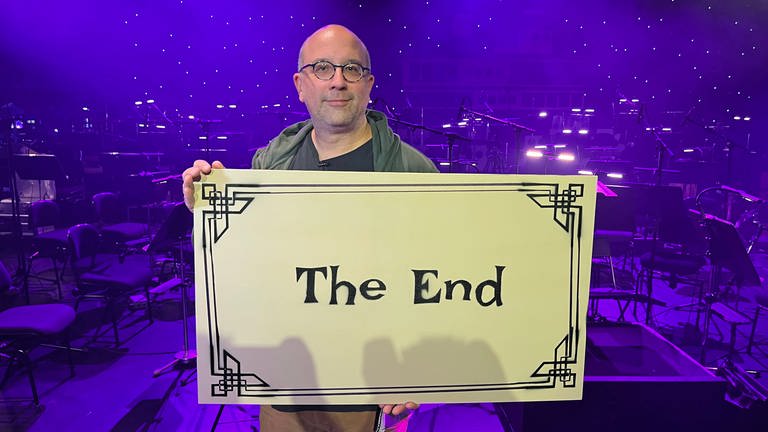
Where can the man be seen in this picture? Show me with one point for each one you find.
(334, 81)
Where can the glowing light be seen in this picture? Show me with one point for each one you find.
(534, 154)
(615, 175)
(567, 157)
(586, 172)
(137, 103)
(567, 131)
(543, 114)
(150, 101)
(583, 131)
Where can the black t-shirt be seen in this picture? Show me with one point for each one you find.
(359, 159)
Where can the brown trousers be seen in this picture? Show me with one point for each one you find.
(272, 420)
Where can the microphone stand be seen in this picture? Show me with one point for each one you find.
(452, 137)
(517, 127)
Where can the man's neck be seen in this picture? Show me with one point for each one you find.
(330, 144)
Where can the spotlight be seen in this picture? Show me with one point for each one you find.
(543, 114)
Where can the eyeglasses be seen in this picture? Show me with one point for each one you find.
(325, 70)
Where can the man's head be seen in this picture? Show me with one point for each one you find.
(335, 104)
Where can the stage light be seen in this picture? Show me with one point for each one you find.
(219, 106)
(446, 125)
(567, 131)
(461, 123)
(737, 117)
(534, 154)
(568, 157)
(202, 137)
(142, 125)
(444, 163)
(221, 137)
(559, 146)
(540, 146)
(688, 150)
(589, 110)
(666, 129)
(232, 106)
(137, 103)
(191, 117)
(615, 175)
(150, 101)
(576, 110)
(586, 172)
(747, 118)
(543, 114)
(85, 108)
(583, 131)
(160, 126)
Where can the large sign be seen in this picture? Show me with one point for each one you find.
(365, 288)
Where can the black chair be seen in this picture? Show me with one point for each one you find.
(23, 328)
(112, 218)
(106, 276)
(48, 241)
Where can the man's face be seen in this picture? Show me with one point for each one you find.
(334, 104)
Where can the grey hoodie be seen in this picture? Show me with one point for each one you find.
(389, 152)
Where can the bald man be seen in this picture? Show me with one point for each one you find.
(334, 81)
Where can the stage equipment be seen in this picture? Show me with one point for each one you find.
(635, 381)
(450, 136)
(661, 217)
(725, 251)
(518, 130)
(173, 236)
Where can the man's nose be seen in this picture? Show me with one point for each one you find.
(338, 81)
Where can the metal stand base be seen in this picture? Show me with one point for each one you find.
(182, 360)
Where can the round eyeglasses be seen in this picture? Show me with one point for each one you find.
(325, 70)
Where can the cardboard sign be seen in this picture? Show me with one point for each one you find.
(367, 288)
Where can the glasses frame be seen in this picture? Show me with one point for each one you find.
(366, 70)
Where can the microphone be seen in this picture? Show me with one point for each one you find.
(323, 164)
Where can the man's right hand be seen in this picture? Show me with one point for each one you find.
(191, 175)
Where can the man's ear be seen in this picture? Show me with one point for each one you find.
(297, 84)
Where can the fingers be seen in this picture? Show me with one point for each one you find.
(193, 174)
(398, 409)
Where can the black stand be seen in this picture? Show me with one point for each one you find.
(518, 129)
(173, 235)
(726, 251)
(452, 137)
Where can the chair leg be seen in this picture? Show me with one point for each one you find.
(113, 314)
(28, 364)
(149, 303)
(56, 275)
(68, 345)
(752, 332)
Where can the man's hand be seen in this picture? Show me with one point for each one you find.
(191, 175)
(399, 409)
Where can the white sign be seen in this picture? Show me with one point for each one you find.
(366, 288)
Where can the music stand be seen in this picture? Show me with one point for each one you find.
(172, 235)
(726, 251)
(38, 167)
(660, 209)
